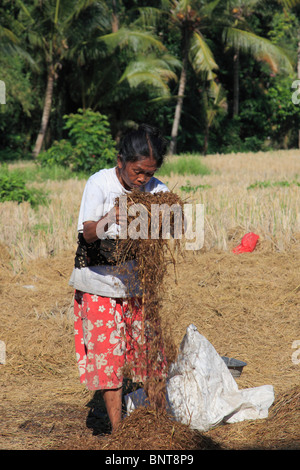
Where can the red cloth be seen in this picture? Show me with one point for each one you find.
(248, 243)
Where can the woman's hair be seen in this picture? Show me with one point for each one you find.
(146, 141)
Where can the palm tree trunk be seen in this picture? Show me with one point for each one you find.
(236, 82)
(46, 113)
(206, 139)
(115, 19)
(178, 109)
(206, 127)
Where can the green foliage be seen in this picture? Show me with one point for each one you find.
(123, 75)
(89, 146)
(34, 172)
(45, 228)
(235, 137)
(185, 165)
(284, 29)
(55, 173)
(188, 188)
(285, 115)
(269, 184)
(13, 188)
(15, 115)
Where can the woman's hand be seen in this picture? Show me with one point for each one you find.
(92, 231)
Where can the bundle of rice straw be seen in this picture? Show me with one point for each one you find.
(152, 250)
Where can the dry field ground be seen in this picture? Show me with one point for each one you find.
(246, 305)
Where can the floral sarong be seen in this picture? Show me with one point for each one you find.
(110, 334)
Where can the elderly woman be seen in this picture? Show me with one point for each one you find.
(107, 305)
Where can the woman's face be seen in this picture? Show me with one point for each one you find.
(134, 175)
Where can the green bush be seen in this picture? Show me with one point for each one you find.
(89, 146)
(13, 188)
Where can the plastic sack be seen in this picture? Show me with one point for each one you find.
(202, 392)
(248, 243)
(139, 398)
(135, 400)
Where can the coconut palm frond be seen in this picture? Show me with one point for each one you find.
(289, 3)
(219, 101)
(136, 40)
(6, 33)
(181, 5)
(136, 79)
(151, 70)
(149, 17)
(209, 8)
(261, 48)
(201, 56)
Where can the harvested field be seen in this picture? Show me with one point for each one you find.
(246, 305)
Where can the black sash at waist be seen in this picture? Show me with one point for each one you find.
(100, 252)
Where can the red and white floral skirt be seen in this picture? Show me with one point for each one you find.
(111, 337)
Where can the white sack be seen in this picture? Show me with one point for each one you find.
(202, 392)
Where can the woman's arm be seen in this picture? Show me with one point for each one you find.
(92, 231)
(89, 231)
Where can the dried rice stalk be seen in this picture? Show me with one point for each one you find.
(148, 429)
(153, 255)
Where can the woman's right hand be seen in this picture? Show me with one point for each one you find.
(95, 230)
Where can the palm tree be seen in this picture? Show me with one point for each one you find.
(48, 30)
(238, 36)
(215, 102)
(149, 64)
(190, 17)
(87, 69)
(194, 19)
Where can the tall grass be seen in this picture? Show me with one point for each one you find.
(44, 231)
(31, 171)
(184, 165)
(232, 201)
